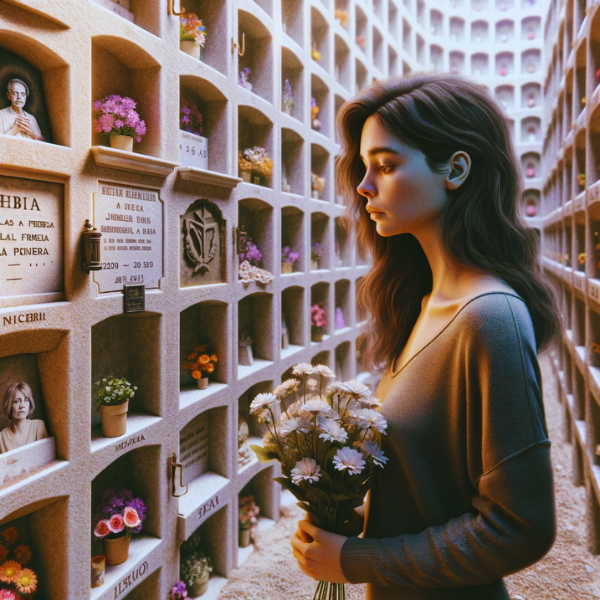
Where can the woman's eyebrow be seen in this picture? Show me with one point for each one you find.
(382, 149)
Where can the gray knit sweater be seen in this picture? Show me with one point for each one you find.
(467, 496)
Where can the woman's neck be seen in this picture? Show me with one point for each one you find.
(18, 425)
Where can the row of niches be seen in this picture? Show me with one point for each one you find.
(577, 171)
(126, 365)
(530, 29)
(204, 253)
(126, 521)
(503, 63)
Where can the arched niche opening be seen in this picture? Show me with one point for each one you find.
(46, 76)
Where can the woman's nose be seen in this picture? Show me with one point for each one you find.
(366, 188)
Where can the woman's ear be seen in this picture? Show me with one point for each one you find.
(459, 166)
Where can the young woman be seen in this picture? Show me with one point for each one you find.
(18, 406)
(458, 309)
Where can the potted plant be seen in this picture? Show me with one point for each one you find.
(196, 565)
(287, 260)
(201, 363)
(318, 320)
(287, 99)
(316, 250)
(245, 166)
(193, 147)
(111, 401)
(248, 512)
(116, 119)
(192, 36)
(17, 582)
(341, 16)
(178, 592)
(119, 516)
(317, 183)
(260, 165)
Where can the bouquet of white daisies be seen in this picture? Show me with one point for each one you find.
(328, 444)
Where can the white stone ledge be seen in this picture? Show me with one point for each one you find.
(113, 158)
(208, 177)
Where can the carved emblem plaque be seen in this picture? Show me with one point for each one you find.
(201, 245)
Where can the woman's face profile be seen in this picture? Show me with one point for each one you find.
(398, 182)
(20, 407)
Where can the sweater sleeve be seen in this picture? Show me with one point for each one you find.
(513, 522)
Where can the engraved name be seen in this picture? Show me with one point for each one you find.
(128, 581)
(24, 318)
(129, 442)
(18, 202)
(207, 507)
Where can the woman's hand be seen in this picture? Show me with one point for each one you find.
(318, 551)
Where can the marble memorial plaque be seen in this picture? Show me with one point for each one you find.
(193, 150)
(120, 7)
(31, 241)
(130, 220)
(193, 447)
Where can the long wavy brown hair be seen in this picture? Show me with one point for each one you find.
(482, 225)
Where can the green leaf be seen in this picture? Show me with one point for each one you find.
(262, 454)
(339, 497)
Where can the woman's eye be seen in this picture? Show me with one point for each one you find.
(386, 168)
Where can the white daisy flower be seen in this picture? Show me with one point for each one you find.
(369, 401)
(324, 370)
(313, 383)
(262, 401)
(355, 388)
(372, 449)
(286, 388)
(301, 424)
(306, 469)
(331, 431)
(303, 368)
(315, 407)
(334, 388)
(367, 417)
(350, 459)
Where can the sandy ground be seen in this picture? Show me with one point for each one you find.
(567, 572)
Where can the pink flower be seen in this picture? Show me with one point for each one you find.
(102, 529)
(7, 595)
(131, 517)
(116, 523)
(106, 121)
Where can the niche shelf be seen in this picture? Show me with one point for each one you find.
(292, 70)
(343, 248)
(255, 318)
(360, 29)
(292, 235)
(342, 302)
(343, 362)
(319, 294)
(135, 471)
(214, 18)
(319, 34)
(204, 323)
(293, 178)
(319, 234)
(378, 49)
(320, 165)
(256, 217)
(257, 430)
(293, 311)
(255, 129)
(479, 32)
(206, 468)
(342, 63)
(134, 11)
(505, 31)
(258, 54)
(128, 346)
(320, 92)
(292, 22)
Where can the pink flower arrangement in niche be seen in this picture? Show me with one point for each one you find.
(318, 319)
(287, 255)
(190, 118)
(115, 114)
(178, 591)
(119, 512)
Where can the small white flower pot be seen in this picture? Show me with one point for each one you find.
(287, 267)
(121, 142)
(287, 109)
(315, 194)
(202, 383)
(246, 176)
(191, 48)
(245, 356)
(314, 265)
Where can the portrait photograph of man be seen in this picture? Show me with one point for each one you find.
(14, 119)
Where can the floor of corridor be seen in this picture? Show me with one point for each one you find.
(567, 572)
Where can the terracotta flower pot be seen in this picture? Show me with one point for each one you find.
(246, 176)
(116, 551)
(317, 337)
(199, 586)
(202, 383)
(244, 538)
(190, 47)
(114, 419)
(121, 142)
(287, 267)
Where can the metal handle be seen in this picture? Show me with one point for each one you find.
(235, 45)
(171, 8)
(174, 465)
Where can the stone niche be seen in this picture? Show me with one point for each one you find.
(31, 241)
(202, 236)
(12, 67)
(39, 359)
